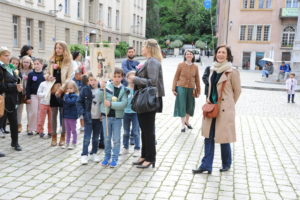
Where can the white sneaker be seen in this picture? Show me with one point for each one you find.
(84, 160)
(65, 146)
(2, 135)
(96, 158)
(136, 153)
(73, 146)
(124, 151)
(82, 129)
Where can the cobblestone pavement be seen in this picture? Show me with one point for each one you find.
(266, 159)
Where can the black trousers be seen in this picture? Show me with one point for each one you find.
(147, 125)
(13, 124)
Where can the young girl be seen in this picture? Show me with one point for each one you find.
(70, 113)
(26, 67)
(59, 70)
(15, 62)
(44, 93)
(34, 80)
(291, 84)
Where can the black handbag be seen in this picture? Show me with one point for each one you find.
(145, 100)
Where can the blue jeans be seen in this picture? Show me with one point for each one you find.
(114, 135)
(265, 73)
(133, 118)
(209, 150)
(89, 129)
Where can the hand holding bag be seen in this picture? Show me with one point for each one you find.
(212, 110)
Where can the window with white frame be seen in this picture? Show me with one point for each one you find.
(288, 36)
(78, 9)
(259, 32)
(141, 26)
(117, 19)
(79, 37)
(41, 2)
(100, 16)
(16, 21)
(250, 30)
(41, 26)
(29, 32)
(138, 24)
(264, 3)
(67, 7)
(109, 16)
(267, 32)
(245, 4)
(292, 3)
(67, 35)
(243, 32)
(91, 11)
(133, 23)
(252, 4)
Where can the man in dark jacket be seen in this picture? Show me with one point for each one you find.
(9, 87)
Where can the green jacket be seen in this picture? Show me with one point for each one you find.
(118, 105)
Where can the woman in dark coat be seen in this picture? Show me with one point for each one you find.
(9, 86)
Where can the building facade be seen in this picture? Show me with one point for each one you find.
(40, 23)
(258, 28)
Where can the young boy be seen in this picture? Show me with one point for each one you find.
(291, 84)
(113, 106)
(130, 117)
(94, 128)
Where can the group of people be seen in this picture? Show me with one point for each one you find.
(64, 88)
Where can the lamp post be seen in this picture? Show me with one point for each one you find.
(296, 47)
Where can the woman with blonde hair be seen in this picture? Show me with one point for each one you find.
(149, 74)
(59, 70)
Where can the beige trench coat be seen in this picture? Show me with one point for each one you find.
(66, 72)
(225, 122)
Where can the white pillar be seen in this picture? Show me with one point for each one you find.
(296, 48)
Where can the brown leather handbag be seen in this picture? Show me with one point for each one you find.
(212, 110)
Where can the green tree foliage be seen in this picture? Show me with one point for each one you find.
(176, 44)
(199, 44)
(153, 19)
(77, 47)
(185, 20)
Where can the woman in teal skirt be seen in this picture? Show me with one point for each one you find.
(186, 86)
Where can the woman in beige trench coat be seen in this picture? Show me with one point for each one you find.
(222, 128)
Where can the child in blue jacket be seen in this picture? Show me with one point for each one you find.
(70, 114)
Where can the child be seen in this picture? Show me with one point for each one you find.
(34, 80)
(291, 84)
(131, 117)
(44, 93)
(26, 67)
(15, 62)
(113, 106)
(92, 122)
(70, 113)
(77, 80)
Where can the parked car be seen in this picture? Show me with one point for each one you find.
(197, 54)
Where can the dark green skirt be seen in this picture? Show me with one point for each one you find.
(185, 102)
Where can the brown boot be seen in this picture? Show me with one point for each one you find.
(19, 128)
(54, 140)
(62, 140)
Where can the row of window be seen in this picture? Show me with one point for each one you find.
(266, 4)
(255, 33)
(263, 32)
(29, 32)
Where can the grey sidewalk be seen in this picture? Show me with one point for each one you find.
(265, 165)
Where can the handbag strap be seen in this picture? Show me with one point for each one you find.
(222, 89)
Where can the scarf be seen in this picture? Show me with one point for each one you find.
(10, 68)
(221, 67)
(58, 61)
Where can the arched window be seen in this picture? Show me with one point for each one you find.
(288, 36)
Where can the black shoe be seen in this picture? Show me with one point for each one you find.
(2, 155)
(41, 135)
(200, 171)
(188, 125)
(138, 162)
(146, 166)
(183, 130)
(101, 146)
(17, 147)
(293, 101)
(224, 169)
(5, 131)
(29, 133)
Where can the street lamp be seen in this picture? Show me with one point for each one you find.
(60, 7)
